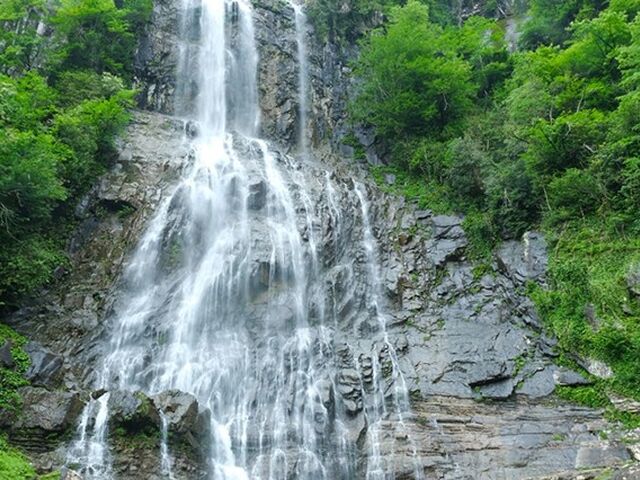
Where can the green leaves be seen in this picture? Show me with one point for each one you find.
(57, 125)
(588, 268)
(12, 378)
(89, 130)
(548, 20)
(19, 41)
(14, 464)
(98, 36)
(26, 102)
(414, 80)
(542, 139)
(344, 20)
(29, 187)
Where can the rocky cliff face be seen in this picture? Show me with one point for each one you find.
(157, 63)
(474, 358)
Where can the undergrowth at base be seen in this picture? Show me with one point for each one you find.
(13, 378)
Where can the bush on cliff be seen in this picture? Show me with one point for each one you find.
(63, 100)
(550, 139)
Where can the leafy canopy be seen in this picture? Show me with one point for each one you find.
(414, 80)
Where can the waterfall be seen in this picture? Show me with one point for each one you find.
(399, 394)
(228, 295)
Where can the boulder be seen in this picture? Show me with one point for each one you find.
(540, 384)
(524, 261)
(51, 411)
(6, 358)
(596, 368)
(633, 280)
(499, 390)
(448, 241)
(186, 421)
(180, 410)
(46, 367)
(68, 474)
(567, 377)
(133, 411)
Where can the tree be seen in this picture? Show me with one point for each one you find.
(29, 187)
(549, 20)
(413, 81)
(19, 40)
(99, 36)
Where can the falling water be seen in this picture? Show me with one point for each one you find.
(166, 462)
(399, 393)
(227, 296)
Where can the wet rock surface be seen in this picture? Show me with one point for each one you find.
(463, 339)
(524, 261)
(132, 411)
(47, 410)
(448, 241)
(65, 320)
(136, 434)
(186, 421)
(156, 58)
(45, 369)
(45, 421)
(475, 361)
(462, 439)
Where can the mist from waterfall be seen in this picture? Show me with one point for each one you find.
(227, 296)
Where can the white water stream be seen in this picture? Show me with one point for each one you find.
(225, 296)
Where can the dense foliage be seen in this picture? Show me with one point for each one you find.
(63, 99)
(11, 379)
(13, 464)
(344, 21)
(546, 137)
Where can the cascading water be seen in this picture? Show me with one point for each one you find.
(228, 295)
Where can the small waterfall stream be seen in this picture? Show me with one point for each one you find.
(228, 295)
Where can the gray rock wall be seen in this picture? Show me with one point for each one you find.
(478, 365)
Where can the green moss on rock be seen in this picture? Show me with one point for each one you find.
(13, 464)
(11, 379)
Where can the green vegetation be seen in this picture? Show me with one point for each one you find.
(587, 271)
(338, 20)
(415, 80)
(61, 108)
(594, 396)
(544, 138)
(132, 438)
(13, 378)
(13, 464)
(63, 100)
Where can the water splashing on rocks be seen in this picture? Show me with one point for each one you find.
(242, 294)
